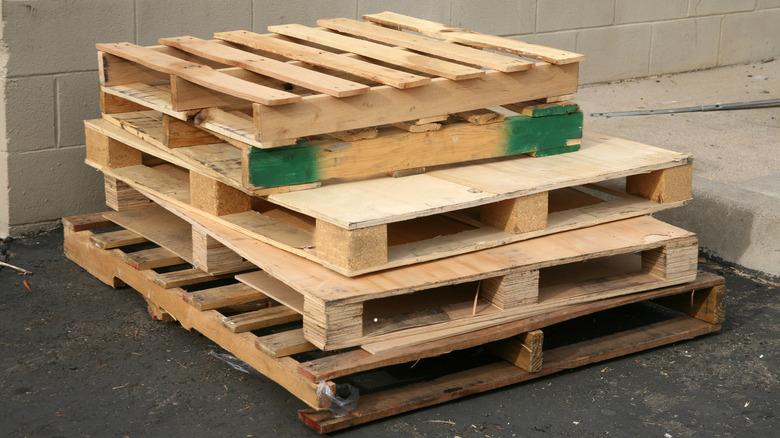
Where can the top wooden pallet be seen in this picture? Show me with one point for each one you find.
(300, 81)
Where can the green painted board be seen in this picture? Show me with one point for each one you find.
(533, 134)
(299, 163)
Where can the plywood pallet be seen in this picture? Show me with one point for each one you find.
(269, 90)
(434, 299)
(219, 311)
(366, 226)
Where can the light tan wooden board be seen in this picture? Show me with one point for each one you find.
(143, 131)
(427, 45)
(379, 52)
(217, 121)
(474, 39)
(158, 226)
(266, 66)
(385, 200)
(199, 74)
(337, 61)
(384, 105)
(273, 288)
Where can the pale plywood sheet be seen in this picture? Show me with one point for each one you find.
(386, 200)
(311, 279)
(159, 226)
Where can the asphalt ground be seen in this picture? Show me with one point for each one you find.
(78, 358)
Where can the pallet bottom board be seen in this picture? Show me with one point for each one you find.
(499, 374)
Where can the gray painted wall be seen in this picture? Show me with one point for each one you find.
(49, 79)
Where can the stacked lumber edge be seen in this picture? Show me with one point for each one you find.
(334, 200)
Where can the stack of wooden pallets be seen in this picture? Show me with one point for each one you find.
(323, 202)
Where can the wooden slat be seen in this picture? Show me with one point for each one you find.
(284, 343)
(224, 296)
(386, 200)
(283, 71)
(397, 400)
(386, 105)
(467, 55)
(199, 74)
(322, 58)
(343, 364)
(115, 239)
(188, 277)
(159, 226)
(152, 258)
(379, 52)
(262, 318)
(270, 286)
(474, 39)
(85, 222)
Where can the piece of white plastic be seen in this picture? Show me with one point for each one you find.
(342, 403)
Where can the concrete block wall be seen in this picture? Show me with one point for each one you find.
(48, 82)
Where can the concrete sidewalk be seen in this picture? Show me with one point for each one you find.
(736, 210)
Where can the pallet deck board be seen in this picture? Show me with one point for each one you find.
(431, 46)
(379, 52)
(199, 74)
(386, 200)
(294, 74)
(322, 58)
(473, 39)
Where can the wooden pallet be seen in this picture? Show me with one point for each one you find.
(367, 226)
(270, 90)
(435, 299)
(539, 130)
(218, 310)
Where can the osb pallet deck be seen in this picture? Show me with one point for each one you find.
(514, 352)
(270, 90)
(365, 226)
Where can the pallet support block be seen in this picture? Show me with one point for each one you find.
(108, 152)
(665, 185)
(511, 290)
(525, 351)
(351, 249)
(217, 198)
(324, 324)
(518, 215)
(110, 104)
(708, 305)
(121, 197)
(156, 312)
(671, 263)
(210, 255)
(178, 134)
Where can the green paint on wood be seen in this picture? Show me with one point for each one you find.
(555, 151)
(283, 166)
(536, 134)
(298, 164)
(554, 110)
